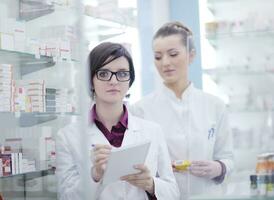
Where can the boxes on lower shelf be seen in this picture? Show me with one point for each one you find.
(14, 163)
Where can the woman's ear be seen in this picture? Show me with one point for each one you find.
(192, 55)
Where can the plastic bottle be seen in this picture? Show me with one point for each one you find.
(270, 186)
(262, 185)
(254, 185)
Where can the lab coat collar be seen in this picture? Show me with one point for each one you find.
(132, 125)
(170, 94)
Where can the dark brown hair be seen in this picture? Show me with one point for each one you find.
(176, 28)
(105, 53)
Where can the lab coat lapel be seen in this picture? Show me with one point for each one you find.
(133, 133)
(96, 136)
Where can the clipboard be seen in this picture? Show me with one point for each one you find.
(122, 160)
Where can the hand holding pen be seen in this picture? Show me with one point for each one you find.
(101, 154)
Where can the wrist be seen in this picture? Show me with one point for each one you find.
(95, 175)
(219, 168)
(151, 190)
(221, 177)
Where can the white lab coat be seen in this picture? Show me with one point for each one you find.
(195, 128)
(69, 163)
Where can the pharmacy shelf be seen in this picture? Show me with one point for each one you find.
(32, 9)
(32, 175)
(28, 62)
(32, 119)
(9, 119)
(241, 36)
(23, 180)
(235, 70)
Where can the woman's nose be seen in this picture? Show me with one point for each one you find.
(113, 79)
(165, 60)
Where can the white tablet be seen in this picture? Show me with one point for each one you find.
(122, 160)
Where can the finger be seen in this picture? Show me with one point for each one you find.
(199, 163)
(100, 157)
(198, 173)
(198, 168)
(135, 178)
(102, 151)
(141, 167)
(104, 146)
(145, 184)
(131, 177)
(140, 183)
(101, 162)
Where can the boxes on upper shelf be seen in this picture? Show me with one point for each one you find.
(7, 88)
(60, 42)
(12, 34)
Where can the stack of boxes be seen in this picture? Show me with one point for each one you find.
(12, 35)
(60, 42)
(7, 88)
(19, 155)
(57, 101)
(30, 96)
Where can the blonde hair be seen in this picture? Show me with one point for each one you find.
(176, 28)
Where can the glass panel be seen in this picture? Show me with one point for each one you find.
(237, 59)
(40, 69)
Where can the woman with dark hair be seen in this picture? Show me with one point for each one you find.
(111, 125)
(194, 122)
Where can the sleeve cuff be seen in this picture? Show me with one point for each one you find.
(151, 197)
(220, 179)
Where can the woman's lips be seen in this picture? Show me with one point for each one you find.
(113, 91)
(169, 71)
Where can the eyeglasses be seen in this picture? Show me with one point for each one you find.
(106, 75)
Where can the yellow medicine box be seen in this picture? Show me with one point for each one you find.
(182, 165)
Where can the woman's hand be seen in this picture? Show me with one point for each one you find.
(174, 169)
(207, 169)
(142, 179)
(101, 153)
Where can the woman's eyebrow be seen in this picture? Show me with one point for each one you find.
(173, 49)
(118, 69)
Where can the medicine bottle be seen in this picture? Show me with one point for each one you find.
(270, 186)
(262, 185)
(254, 185)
